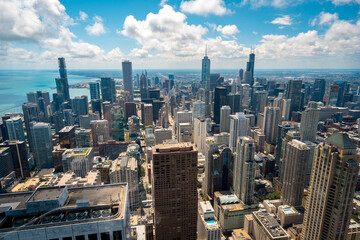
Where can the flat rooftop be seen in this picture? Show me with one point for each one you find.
(42, 194)
(270, 224)
(173, 147)
(77, 152)
(66, 129)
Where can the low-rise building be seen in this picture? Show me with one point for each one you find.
(208, 227)
(78, 160)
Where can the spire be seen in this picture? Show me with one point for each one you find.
(205, 49)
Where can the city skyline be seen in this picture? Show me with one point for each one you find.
(284, 34)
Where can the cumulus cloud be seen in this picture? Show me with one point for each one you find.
(344, 2)
(83, 16)
(227, 29)
(204, 7)
(163, 2)
(97, 28)
(272, 3)
(284, 20)
(139, 53)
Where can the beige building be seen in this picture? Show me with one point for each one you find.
(208, 227)
(261, 225)
(332, 188)
(148, 115)
(125, 169)
(174, 195)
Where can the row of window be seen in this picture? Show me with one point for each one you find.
(117, 235)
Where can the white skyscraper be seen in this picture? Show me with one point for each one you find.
(285, 109)
(199, 109)
(225, 112)
(183, 117)
(200, 132)
(272, 118)
(239, 126)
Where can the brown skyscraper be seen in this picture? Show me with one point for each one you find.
(332, 187)
(174, 191)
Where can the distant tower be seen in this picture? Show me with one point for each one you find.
(244, 170)
(293, 92)
(127, 77)
(225, 118)
(309, 122)
(205, 83)
(143, 86)
(94, 90)
(318, 90)
(108, 89)
(332, 188)
(62, 85)
(42, 144)
(249, 73)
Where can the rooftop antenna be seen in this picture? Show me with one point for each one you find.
(205, 49)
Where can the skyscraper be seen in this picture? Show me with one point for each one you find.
(249, 73)
(219, 101)
(199, 109)
(318, 90)
(148, 115)
(31, 114)
(225, 118)
(239, 126)
(99, 131)
(127, 78)
(272, 119)
(62, 85)
(332, 187)
(293, 92)
(205, 83)
(309, 122)
(174, 191)
(94, 90)
(108, 89)
(143, 86)
(336, 93)
(297, 154)
(80, 105)
(19, 157)
(15, 129)
(42, 144)
(244, 170)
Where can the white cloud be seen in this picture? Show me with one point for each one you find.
(163, 2)
(285, 20)
(83, 15)
(327, 18)
(343, 2)
(204, 7)
(98, 27)
(273, 3)
(227, 29)
(139, 53)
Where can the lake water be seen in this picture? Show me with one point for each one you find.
(14, 84)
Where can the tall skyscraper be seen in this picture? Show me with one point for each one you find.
(239, 126)
(332, 187)
(148, 115)
(205, 83)
(108, 89)
(318, 90)
(80, 105)
(62, 85)
(199, 109)
(19, 157)
(117, 124)
(143, 86)
(297, 154)
(225, 118)
(293, 92)
(249, 73)
(174, 193)
(336, 93)
(42, 144)
(31, 114)
(94, 90)
(244, 170)
(219, 101)
(127, 78)
(15, 129)
(272, 119)
(309, 122)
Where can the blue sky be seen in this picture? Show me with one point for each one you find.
(172, 34)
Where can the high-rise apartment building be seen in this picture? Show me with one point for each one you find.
(225, 112)
(99, 131)
(80, 105)
(94, 90)
(297, 154)
(332, 187)
(199, 109)
(174, 191)
(42, 144)
(309, 122)
(127, 78)
(244, 170)
(108, 89)
(15, 129)
(293, 92)
(19, 157)
(239, 126)
(272, 119)
(31, 114)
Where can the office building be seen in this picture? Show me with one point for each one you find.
(297, 156)
(108, 89)
(148, 115)
(293, 92)
(183, 117)
(162, 135)
(219, 101)
(67, 137)
(31, 114)
(6, 162)
(309, 122)
(143, 86)
(208, 228)
(67, 213)
(117, 124)
(125, 169)
(78, 160)
(318, 90)
(259, 101)
(94, 90)
(69, 119)
(42, 144)
(249, 73)
(244, 170)
(198, 109)
(130, 110)
(200, 133)
(332, 187)
(111, 149)
(80, 105)
(272, 119)
(239, 126)
(62, 85)
(174, 180)
(99, 131)
(262, 225)
(225, 119)
(82, 138)
(84, 120)
(15, 129)
(127, 78)
(134, 127)
(96, 107)
(19, 157)
(285, 109)
(234, 102)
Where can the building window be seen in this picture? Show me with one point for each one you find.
(67, 238)
(93, 236)
(117, 235)
(81, 237)
(105, 236)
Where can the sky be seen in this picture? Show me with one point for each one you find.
(173, 34)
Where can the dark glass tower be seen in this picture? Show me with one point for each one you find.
(127, 78)
(62, 85)
(219, 101)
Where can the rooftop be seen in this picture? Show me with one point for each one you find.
(66, 129)
(270, 224)
(341, 140)
(173, 147)
(77, 152)
(42, 194)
